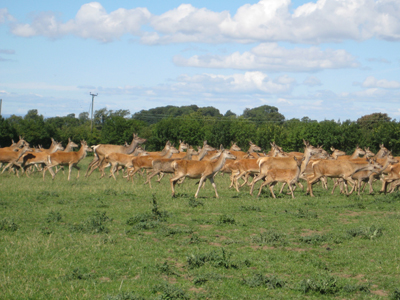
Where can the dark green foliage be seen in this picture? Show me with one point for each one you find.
(258, 280)
(225, 219)
(170, 231)
(165, 269)
(53, 216)
(270, 237)
(214, 258)
(323, 284)
(365, 232)
(315, 239)
(195, 203)
(326, 284)
(151, 219)
(395, 295)
(306, 214)
(8, 225)
(169, 291)
(250, 208)
(79, 274)
(94, 224)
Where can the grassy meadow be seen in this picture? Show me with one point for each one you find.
(94, 238)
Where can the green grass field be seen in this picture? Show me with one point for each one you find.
(97, 238)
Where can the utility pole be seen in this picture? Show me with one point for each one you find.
(91, 124)
(1, 103)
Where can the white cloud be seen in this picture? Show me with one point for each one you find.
(91, 21)
(372, 82)
(272, 57)
(265, 21)
(312, 81)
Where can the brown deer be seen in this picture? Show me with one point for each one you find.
(288, 176)
(103, 149)
(70, 159)
(199, 169)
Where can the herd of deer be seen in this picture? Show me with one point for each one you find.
(314, 165)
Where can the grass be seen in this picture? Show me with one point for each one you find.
(97, 238)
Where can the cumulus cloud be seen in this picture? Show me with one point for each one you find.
(91, 21)
(271, 57)
(372, 82)
(265, 21)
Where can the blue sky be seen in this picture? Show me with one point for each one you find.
(326, 59)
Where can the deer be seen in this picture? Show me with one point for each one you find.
(368, 176)
(103, 149)
(203, 151)
(338, 169)
(15, 146)
(36, 158)
(182, 146)
(70, 159)
(392, 177)
(70, 147)
(199, 169)
(288, 176)
(145, 162)
(11, 157)
(164, 165)
(266, 164)
(125, 160)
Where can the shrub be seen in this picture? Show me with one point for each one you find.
(8, 225)
(265, 281)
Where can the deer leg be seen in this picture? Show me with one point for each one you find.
(173, 182)
(259, 177)
(271, 189)
(214, 186)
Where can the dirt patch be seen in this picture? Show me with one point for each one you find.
(197, 290)
(351, 213)
(148, 233)
(104, 279)
(381, 293)
(297, 249)
(215, 244)
(205, 226)
(156, 240)
(307, 232)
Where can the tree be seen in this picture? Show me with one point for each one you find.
(264, 114)
(368, 122)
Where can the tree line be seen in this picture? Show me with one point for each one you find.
(261, 125)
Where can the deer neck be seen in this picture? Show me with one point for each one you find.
(380, 154)
(296, 177)
(131, 147)
(307, 157)
(219, 163)
(202, 153)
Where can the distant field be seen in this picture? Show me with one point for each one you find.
(104, 239)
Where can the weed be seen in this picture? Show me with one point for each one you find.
(149, 220)
(195, 203)
(53, 216)
(46, 230)
(249, 208)
(305, 214)
(213, 257)
(270, 237)
(365, 232)
(225, 219)
(78, 274)
(168, 291)
(315, 239)
(168, 231)
(94, 224)
(110, 192)
(124, 296)
(194, 239)
(324, 284)
(165, 269)
(395, 295)
(264, 281)
(351, 288)
(8, 225)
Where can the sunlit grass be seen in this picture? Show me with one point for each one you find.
(97, 238)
